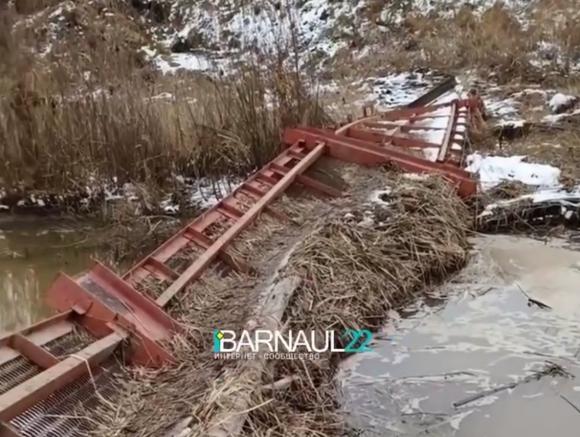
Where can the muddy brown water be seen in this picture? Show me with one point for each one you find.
(471, 335)
(475, 333)
(32, 252)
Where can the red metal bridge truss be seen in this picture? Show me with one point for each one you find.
(37, 368)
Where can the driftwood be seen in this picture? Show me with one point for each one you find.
(235, 393)
(181, 429)
(532, 301)
(281, 384)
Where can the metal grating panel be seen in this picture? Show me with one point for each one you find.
(15, 372)
(61, 414)
(70, 343)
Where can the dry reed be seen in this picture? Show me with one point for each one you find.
(356, 263)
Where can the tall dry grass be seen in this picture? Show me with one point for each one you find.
(498, 39)
(198, 128)
(92, 110)
(493, 40)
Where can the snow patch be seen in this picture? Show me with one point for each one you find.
(184, 61)
(493, 170)
(381, 197)
(561, 102)
(557, 118)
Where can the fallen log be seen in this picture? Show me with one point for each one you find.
(233, 397)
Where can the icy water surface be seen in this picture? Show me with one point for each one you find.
(475, 334)
(32, 252)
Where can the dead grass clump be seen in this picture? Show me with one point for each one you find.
(203, 128)
(354, 268)
(493, 40)
(362, 260)
(66, 120)
(381, 254)
(220, 299)
(508, 190)
(25, 7)
(556, 22)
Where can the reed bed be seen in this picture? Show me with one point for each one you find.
(355, 267)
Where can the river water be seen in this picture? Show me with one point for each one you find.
(476, 333)
(32, 252)
(473, 334)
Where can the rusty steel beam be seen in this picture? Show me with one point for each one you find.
(316, 185)
(160, 269)
(407, 113)
(309, 182)
(255, 194)
(368, 153)
(101, 301)
(42, 325)
(41, 386)
(195, 270)
(179, 240)
(205, 242)
(28, 342)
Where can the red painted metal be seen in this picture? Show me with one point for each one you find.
(115, 313)
(368, 153)
(381, 138)
(194, 270)
(36, 354)
(446, 144)
(38, 335)
(25, 395)
(402, 127)
(100, 297)
(255, 188)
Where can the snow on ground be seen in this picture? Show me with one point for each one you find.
(185, 61)
(561, 102)
(449, 7)
(189, 193)
(492, 170)
(569, 201)
(321, 28)
(318, 28)
(506, 111)
(557, 118)
(400, 89)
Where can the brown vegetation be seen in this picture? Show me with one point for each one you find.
(491, 41)
(132, 132)
(95, 111)
(352, 273)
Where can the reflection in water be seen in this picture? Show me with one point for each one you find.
(20, 300)
(484, 336)
(31, 254)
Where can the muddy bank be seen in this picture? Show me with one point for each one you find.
(474, 334)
